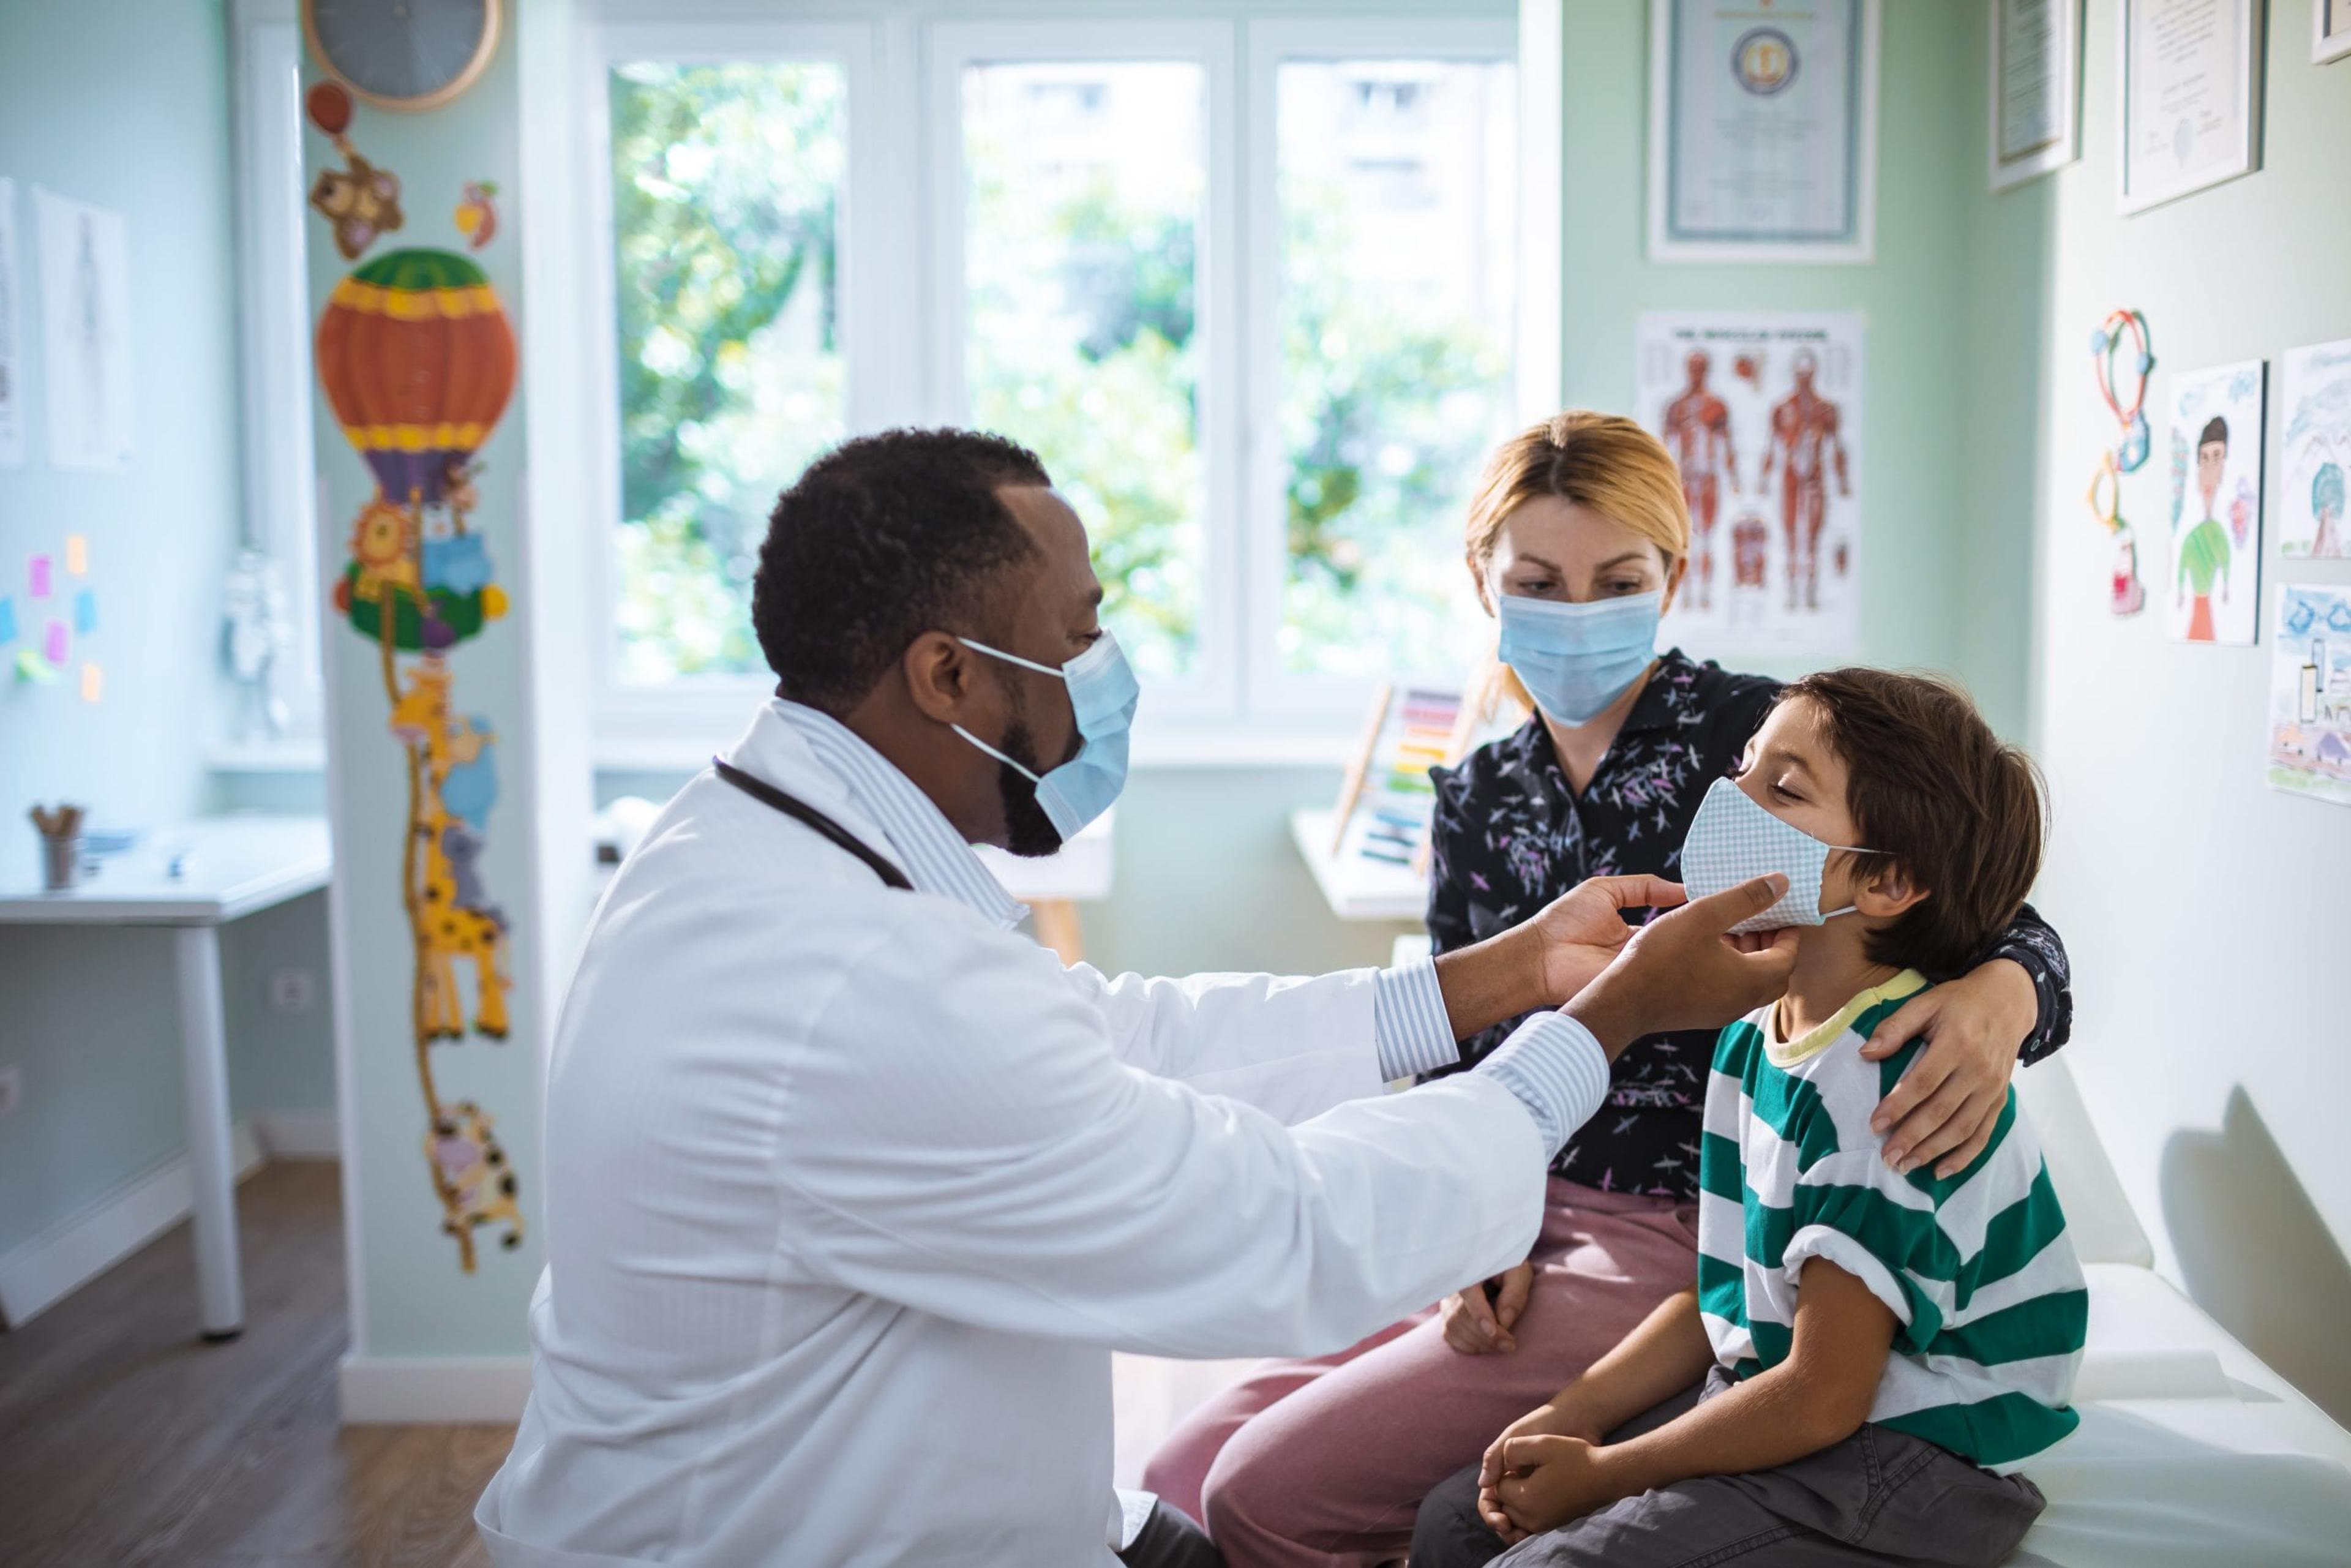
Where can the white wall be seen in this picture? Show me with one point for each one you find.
(2210, 917)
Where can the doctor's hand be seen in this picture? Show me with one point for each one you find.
(1476, 1324)
(1581, 932)
(1684, 970)
(1547, 957)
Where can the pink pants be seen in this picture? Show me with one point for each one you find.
(1325, 1462)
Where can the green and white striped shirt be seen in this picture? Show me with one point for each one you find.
(1977, 1269)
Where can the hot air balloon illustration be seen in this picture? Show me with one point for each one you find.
(418, 361)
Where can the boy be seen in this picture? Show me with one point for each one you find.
(1878, 1351)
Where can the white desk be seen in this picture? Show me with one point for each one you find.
(1355, 888)
(233, 866)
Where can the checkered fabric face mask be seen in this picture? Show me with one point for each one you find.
(1734, 840)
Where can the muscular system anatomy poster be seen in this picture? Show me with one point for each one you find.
(1764, 413)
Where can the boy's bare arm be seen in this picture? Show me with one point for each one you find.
(1819, 1396)
(1664, 1353)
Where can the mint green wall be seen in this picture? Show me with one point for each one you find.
(125, 103)
(2205, 911)
(412, 1299)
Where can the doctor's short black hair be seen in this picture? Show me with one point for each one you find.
(882, 540)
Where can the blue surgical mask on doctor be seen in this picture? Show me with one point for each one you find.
(1576, 659)
(1102, 695)
(1733, 841)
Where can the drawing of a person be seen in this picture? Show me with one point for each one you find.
(1697, 428)
(1806, 439)
(2204, 553)
(2327, 506)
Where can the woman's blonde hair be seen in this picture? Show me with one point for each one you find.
(1603, 461)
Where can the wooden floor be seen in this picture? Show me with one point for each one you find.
(124, 1439)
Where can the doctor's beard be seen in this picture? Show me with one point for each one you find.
(1029, 832)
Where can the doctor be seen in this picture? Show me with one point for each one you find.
(852, 1188)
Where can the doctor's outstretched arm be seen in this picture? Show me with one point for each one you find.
(1296, 1046)
(986, 1159)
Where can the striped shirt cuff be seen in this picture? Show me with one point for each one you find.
(1557, 1070)
(1409, 1023)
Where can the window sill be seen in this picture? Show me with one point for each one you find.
(1229, 746)
(288, 754)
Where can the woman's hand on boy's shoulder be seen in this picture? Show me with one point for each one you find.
(1949, 1103)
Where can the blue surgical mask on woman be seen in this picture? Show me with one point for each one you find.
(1102, 694)
(1733, 840)
(1576, 659)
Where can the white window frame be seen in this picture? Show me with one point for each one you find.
(701, 708)
(904, 295)
(1272, 694)
(274, 391)
(1212, 690)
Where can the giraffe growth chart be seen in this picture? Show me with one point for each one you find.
(417, 360)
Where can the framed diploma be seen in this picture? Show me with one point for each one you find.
(2190, 97)
(2330, 30)
(2036, 71)
(1762, 131)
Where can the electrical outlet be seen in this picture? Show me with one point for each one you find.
(291, 991)
(12, 1088)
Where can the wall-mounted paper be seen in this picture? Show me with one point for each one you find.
(36, 576)
(55, 646)
(93, 683)
(86, 332)
(2314, 455)
(1764, 413)
(12, 359)
(2310, 693)
(7, 619)
(85, 612)
(2212, 593)
(77, 555)
(31, 667)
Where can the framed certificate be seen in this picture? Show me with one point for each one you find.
(2330, 30)
(1762, 131)
(2036, 71)
(2190, 97)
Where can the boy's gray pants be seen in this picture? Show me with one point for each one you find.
(1880, 1496)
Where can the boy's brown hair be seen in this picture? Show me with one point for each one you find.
(1930, 785)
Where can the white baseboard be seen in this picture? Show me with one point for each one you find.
(299, 1134)
(37, 1273)
(398, 1390)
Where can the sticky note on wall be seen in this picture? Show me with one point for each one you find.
(85, 612)
(77, 555)
(56, 646)
(93, 683)
(36, 576)
(7, 619)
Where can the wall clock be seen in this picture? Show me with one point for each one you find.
(403, 54)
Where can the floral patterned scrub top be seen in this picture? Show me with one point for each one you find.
(1511, 836)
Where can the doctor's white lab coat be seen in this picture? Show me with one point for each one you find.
(850, 1192)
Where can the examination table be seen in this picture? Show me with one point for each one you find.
(2192, 1452)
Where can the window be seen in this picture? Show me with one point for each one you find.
(725, 184)
(280, 466)
(1251, 296)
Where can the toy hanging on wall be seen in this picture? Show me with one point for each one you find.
(361, 200)
(2126, 595)
(418, 361)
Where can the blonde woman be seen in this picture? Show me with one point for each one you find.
(1577, 540)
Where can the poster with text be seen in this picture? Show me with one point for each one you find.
(2315, 454)
(1763, 413)
(2310, 693)
(86, 332)
(2212, 591)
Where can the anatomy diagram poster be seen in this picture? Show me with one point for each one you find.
(1763, 413)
